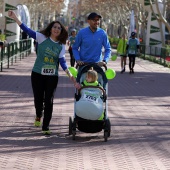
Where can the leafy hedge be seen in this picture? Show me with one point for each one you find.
(157, 60)
(113, 41)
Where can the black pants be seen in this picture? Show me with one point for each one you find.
(72, 60)
(131, 61)
(44, 88)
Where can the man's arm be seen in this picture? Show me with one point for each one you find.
(107, 52)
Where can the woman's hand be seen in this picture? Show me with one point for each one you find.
(12, 15)
(70, 76)
(77, 86)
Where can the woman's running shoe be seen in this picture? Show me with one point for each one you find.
(46, 132)
(37, 122)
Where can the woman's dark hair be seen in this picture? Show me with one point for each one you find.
(63, 35)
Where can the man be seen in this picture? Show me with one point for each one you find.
(70, 43)
(132, 50)
(89, 42)
(121, 49)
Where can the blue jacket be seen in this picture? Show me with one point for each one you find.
(88, 46)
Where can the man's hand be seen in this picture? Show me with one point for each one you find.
(80, 62)
(101, 63)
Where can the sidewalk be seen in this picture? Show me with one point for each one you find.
(139, 110)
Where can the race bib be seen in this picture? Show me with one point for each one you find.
(132, 52)
(48, 70)
(91, 97)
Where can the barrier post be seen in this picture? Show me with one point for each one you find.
(8, 49)
(15, 51)
(2, 56)
(12, 53)
(20, 48)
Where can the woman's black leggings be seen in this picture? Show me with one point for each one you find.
(44, 88)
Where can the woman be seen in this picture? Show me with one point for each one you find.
(121, 49)
(44, 77)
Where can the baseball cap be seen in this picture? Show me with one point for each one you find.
(93, 15)
(73, 30)
(133, 33)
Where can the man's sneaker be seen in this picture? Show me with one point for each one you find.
(37, 122)
(46, 132)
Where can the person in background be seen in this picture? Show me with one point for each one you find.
(71, 41)
(1, 44)
(44, 77)
(132, 49)
(90, 41)
(121, 50)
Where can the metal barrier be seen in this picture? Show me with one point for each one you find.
(22, 48)
(14, 50)
(155, 54)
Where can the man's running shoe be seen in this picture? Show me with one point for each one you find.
(37, 122)
(46, 132)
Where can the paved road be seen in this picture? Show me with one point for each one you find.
(139, 110)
